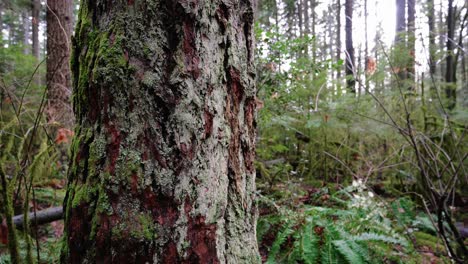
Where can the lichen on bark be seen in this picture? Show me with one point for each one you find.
(162, 161)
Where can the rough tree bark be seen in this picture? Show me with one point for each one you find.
(350, 60)
(162, 160)
(36, 6)
(58, 77)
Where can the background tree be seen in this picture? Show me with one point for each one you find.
(411, 42)
(450, 70)
(163, 170)
(58, 77)
(36, 8)
(400, 40)
(350, 58)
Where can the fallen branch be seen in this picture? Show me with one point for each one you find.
(40, 217)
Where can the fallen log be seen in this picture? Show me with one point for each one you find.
(40, 217)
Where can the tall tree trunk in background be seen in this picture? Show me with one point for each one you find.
(400, 21)
(350, 60)
(300, 11)
(1, 21)
(59, 30)
(400, 39)
(442, 35)
(26, 27)
(163, 157)
(366, 47)
(306, 24)
(338, 45)
(432, 33)
(411, 42)
(450, 73)
(313, 4)
(36, 7)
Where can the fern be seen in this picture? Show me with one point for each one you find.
(309, 244)
(379, 238)
(344, 248)
(286, 231)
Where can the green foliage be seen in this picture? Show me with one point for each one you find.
(28, 153)
(351, 231)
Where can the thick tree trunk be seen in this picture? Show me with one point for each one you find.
(162, 162)
(59, 31)
(350, 60)
(36, 6)
(450, 72)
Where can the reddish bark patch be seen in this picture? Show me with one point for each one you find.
(163, 208)
(113, 147)
(249, 116)
(3, 233)
(234, 98)
(78, 231)
(247, 147)
(93, 103)
(134, 183)
(191, 56)
(170, 254)
(208, 125)
(202, 238)
(150, 142)
(236, 89)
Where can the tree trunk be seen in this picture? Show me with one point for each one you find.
(300, 19)
(411, 42)
(350, 61)
(26, 26)
(306, 24)
(338, 45)
(432, 33)
(162, 160)
(312, 5)
(36, 6)
(366, 47)
(450, 72)
(400, 21)
(59, 31)
(1, 23)
(400, 40)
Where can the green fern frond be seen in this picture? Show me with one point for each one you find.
(351, 256)
(285, 232)
(309, 244)
(379, 238)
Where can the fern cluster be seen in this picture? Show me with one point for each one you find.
(344, 233)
